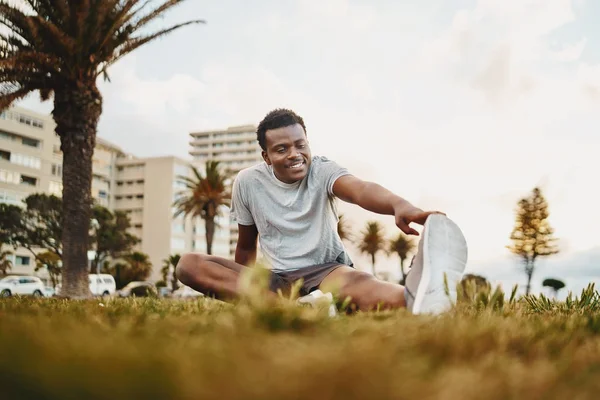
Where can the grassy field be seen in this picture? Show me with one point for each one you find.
(487, 348)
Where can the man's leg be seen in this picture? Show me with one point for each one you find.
(439, 263)
(211, 275)
(366, 291)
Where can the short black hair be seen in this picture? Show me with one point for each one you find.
(278, 118)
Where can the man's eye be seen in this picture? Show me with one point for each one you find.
(301, 146)
(281, 151)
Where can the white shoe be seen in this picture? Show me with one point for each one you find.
(442, 251)
(318, 298)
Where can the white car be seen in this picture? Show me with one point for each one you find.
(21, 285)
(100, 285)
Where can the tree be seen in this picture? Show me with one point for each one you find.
(60, 48)
(11, 222)
(555, 284)
(111, 238)
(169, 262)
(136, 267)
(38, 225)
(52, 263)
(343, 228)
(5, 262)
(403, 246)
(372, 241)
(479, 282)
(532, 235)
(204, 196)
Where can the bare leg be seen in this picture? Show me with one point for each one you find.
(211, 275)
(366, 291)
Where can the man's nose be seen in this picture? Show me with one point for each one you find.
(293, 153)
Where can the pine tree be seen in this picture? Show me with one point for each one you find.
(532, 235)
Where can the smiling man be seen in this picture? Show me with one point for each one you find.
(289, 202)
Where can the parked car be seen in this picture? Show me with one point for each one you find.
(21, 285)
(100, 285)
(138, 289)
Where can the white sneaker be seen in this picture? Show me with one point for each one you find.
(442, 251)
(318, 298)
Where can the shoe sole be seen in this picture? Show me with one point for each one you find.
(434, 224)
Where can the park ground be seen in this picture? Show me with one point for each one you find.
(490, 346)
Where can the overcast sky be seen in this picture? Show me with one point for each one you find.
(462, 106)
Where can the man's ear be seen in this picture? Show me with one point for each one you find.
(266, 157)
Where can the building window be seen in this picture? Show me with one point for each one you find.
(26, 161)
(177, 244)
(9, 197)
(28, 180)
(9, 177)
(102, 194)
(57, 169)
(22, 260)
(55, 188)
(30, 142)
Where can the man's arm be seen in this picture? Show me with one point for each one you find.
(374, 197)
(245, 251)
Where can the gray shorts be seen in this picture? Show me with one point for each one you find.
(313, 276)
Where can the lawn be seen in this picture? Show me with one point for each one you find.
(204, 349)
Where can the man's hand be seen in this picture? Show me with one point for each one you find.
(405, 215)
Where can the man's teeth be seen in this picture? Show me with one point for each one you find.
(296, 165)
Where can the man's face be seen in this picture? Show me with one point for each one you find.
(288, 153)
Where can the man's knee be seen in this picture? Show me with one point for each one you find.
(190, 268)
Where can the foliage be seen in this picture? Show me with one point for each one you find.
(555, 284)
(519, 350)
(111, 238)
(52, 263)
(136, 266)
(40, 225)
(372, 241)
(587, 304)
(169, 262)
(5, 262)
(59, 49)
(204, 196)
(343, 228)
(403, 246)
(11, 221)
(532, 235)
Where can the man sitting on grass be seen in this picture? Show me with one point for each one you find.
(289, 202)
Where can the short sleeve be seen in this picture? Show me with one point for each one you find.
(240, 211)
(330, 171)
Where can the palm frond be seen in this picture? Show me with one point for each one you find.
(137, 42)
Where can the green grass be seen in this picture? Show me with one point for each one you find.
(488, 348)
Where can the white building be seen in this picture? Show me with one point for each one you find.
(235, 148)
(31, 162)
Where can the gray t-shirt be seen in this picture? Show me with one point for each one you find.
(296, 223)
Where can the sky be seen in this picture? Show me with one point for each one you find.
(459, 106)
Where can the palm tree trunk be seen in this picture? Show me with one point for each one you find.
(77, 108)
(529, 274)
(403, 281)
(210, 234)
(373, 263)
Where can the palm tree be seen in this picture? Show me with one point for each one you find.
(60, 48)
(372, 241)
(172, 260)
(343, 228)
(402, 245)
(204, 197)
(5, 262)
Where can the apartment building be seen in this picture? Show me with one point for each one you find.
(31, 162)
(235, 148)
(145, 188)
